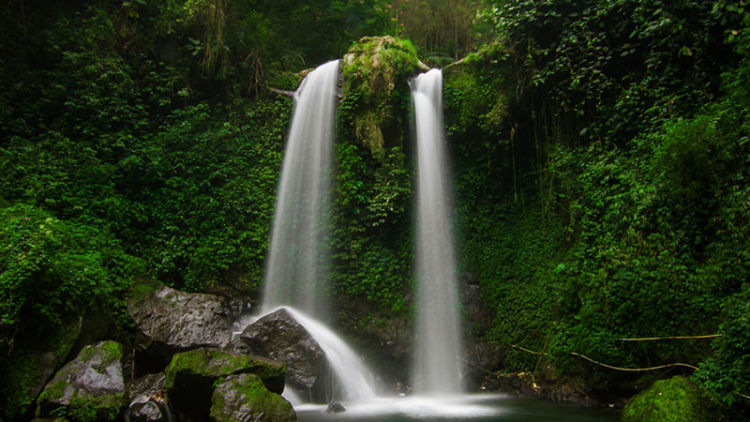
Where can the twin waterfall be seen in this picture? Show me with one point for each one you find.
(296, 272)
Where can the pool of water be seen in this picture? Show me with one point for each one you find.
(474, 408)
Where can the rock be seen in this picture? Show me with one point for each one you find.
(525, 384)
(148, 404)
(280, 337)
(244, 398)
(91, 384)
(191, 376)
(30, 366)
(335, 407)
(672, 400)
(170, 321)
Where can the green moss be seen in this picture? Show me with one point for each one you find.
(216, 363)
(672, 400)
(376, 71)
(252, 395)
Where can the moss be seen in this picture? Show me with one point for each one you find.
(251, 397)
(672, 400)
(216, 363)
(376, 94)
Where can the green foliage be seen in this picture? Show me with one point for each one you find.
(53, 269)
(727, 373)
(599, 76)
(371, 242)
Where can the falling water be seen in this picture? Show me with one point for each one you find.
(353, 378)
(437, 362)
(296, 266)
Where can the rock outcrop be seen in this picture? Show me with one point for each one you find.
(280, 337)
(91, 384)
(244, 398)
(170, 321)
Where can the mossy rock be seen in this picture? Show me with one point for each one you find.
(89, 388)
(191, 376)
(376, 92)
(672, 400)
(243, 397)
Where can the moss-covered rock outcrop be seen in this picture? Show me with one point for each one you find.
(192, 375)
(243, 397)
(89, 388)
(672, 400)
(376, 93)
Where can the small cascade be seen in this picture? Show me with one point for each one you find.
(296, 266)
(437, 366)
(353, 379)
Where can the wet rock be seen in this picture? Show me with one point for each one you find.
(280, 337)
(525, 384)
(335, 407)
(244, 398)
(149, 403)
(92, 383)
(191, 376)
(170, 321)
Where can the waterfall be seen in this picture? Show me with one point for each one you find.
(437, 362)
(296, 269)
(296, 266)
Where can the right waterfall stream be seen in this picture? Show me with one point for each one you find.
(438, 359)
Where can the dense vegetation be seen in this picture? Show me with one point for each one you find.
(601, 166)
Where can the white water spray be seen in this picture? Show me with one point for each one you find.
(296, 269)
(438, 365)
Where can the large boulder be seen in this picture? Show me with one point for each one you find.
(280, 337)
(191, 376)
(90, 387)
(170, 321)
(244, 398)
(671, 400)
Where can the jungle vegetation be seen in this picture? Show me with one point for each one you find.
(601, 156)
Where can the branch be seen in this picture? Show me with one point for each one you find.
(669, 338)
(650, 368)
(616, 368)
(289, 94)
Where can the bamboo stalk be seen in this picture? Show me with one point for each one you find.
(669, 338)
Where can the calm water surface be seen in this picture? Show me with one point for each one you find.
(475, 408)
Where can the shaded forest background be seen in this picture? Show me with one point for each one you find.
(601, 155)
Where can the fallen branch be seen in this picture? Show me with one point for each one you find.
(528, 350)
(669, 338)
(289, 94)
(744, 396)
